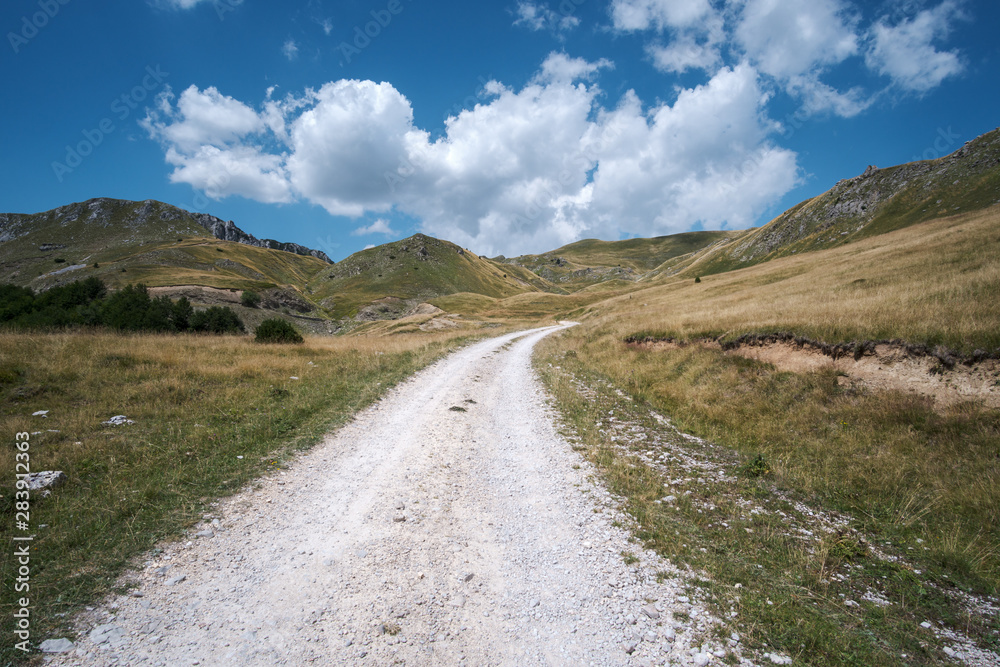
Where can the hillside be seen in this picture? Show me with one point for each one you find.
(389, 280)
(152, 242)
(593, 262)
(873, 203)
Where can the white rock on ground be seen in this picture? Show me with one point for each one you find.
(320, 572)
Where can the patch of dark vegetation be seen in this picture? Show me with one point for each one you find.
(87, 303)
(276, 330)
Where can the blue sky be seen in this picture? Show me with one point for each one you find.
(508, 127)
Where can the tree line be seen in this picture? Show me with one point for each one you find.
(88, 303)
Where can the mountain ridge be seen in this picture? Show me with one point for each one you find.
(102, 209)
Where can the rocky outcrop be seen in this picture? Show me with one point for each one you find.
(883, 199)
(228, 231)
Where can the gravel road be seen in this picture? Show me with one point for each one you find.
(449, 524)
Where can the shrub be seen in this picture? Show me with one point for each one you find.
(697, 279)
(250, 299)
(217, 320)
(275, 330)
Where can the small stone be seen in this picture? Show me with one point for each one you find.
(106, 633)
(173, 581)
(40, 413)
(629, 647)
(208, 532)
(399, 518)
(151, 626)
(400, 505)
(457, 601)
(45, 479)
(118, 420)
(650, 611)
(669, 634)
(534, 603)
(650, 637)
(468, 577)
(702, 659)
(56, 646)
(926, 625)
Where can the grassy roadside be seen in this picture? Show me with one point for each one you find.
(832, 523)
(210, 413)
(840, 526)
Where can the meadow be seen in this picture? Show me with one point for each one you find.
(211, 413)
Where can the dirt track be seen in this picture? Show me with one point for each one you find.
(448, 524)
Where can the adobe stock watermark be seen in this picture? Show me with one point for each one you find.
(32, 24)
(22, 541)
(943, 144)
(363, 35)
(121, 108)
(328, 245)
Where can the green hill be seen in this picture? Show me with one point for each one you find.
(389, 280)
(592, 262)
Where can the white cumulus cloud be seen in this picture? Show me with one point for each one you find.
(906, 51)
(524, 169)
(787, 38)
(379, 226)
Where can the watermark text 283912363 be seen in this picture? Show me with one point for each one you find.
(122, 107)
(22, 541)
(32, 23)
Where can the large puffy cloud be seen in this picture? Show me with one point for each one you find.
(343, 145)
(705, 159)
(521, 171)
(906, 53)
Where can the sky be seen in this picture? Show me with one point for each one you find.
(508, 127)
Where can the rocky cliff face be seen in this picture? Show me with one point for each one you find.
(228, 231)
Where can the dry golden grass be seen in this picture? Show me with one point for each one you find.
(937, 282)
(212, 413)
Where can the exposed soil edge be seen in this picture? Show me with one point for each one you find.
(949, 358)
(942, 375)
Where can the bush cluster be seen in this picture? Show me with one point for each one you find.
(88, 303)
(275, 330)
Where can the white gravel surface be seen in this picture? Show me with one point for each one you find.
(415, 535)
